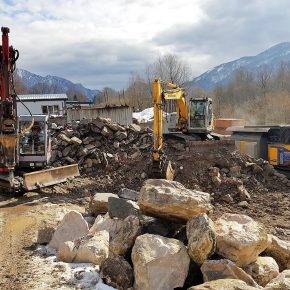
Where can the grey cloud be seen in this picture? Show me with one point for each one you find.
(231, 29)
(94, 64)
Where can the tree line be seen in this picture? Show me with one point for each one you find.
(260, 96)
(138, 93)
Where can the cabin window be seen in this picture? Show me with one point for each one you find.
(50, 110)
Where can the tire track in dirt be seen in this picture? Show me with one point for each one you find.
(15, 240)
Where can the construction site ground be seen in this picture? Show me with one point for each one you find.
(22, 268)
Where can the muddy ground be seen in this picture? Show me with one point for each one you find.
(21, 217)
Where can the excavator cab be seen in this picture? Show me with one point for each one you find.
(200, 116)
(35, 146)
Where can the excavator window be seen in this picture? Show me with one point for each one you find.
(33, 143)
(200, 108)
(197, 113)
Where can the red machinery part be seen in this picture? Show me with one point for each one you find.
(5, 66)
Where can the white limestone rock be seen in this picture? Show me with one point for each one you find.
(159, 263)
(240, 238)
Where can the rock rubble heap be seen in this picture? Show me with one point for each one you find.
(98, 143)
(157, 250)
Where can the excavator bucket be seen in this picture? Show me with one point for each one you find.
(162, 169)
(47, 177)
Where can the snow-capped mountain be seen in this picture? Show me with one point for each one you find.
(222, 74)
(58, 84)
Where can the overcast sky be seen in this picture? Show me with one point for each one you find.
(99, 43)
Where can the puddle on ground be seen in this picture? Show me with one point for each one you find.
(13, 228)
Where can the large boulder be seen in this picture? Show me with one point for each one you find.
(280, 251)
(263, 270)
(111, 225)
(281, 282)
(93, 249)
(225, 269)
(151, 225)
(122, 208)
(125, 237)
(117, 272)
(45, 233)
(90, 249)
(99, 202)
(240, 238)
(223, 284)
(73, 226)
(128, 194)
(159, 263)
(171, 200)
(201, 238)
(66, 252)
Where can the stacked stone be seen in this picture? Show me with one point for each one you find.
(97, 143)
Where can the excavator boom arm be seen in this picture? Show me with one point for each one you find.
(158, 115)
(159, 96)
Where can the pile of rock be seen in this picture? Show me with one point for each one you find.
(97, 143)
(152, 239)
(232, 182)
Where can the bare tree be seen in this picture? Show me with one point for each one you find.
(19, 85)
(172, 69)
(218, 94)
(76, 95)
(169, 68)
(138, 93)
(108, 96)
(263, 77)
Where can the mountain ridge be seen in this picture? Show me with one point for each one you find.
(222, 74)
(57, 84)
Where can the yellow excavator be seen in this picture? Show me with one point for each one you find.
(194, 122)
